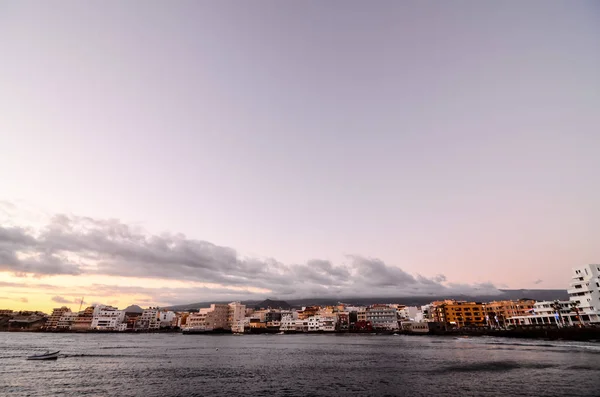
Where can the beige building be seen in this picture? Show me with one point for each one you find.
(415, 327)
(54, 318)
(83, 321)
(208, 319)
(66, 320)
(236, 315)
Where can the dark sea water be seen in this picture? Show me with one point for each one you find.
(295, 365)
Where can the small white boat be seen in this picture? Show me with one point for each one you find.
(45, 356)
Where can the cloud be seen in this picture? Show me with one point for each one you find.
(24, 300)
(60, 299)
(74, 245)
(28, 285)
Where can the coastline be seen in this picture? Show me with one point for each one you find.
(587, 334)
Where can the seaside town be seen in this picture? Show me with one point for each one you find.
(581, 310)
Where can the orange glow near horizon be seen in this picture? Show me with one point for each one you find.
(29, 292)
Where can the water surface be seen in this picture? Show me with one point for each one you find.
(291, 365)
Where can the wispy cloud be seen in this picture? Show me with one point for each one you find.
(73, 245)
(60, 299)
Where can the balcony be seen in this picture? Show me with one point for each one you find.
(573, 290)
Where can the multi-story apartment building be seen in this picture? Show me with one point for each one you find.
(148, 320)
(302, 325)
(66, 320)
(107, 318)
(361, 314)
(343, 321)
(314, 323)
(288, 320)
(84, 319)
(273, 318)
(308, 311)
(236, 315)
(499, 311)
(584, 293)
(583, 306)
(407, 312)
(166, 319)
(55, 317)
(382, 317)
(427, 313)
(328, 322)
(460, 313)
(544, 313)
(208, 319)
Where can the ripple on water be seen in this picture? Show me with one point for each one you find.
(321, 365)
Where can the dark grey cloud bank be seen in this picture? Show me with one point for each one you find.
(75, 245)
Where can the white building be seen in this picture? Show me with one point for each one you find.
(382, 317)
(583, 306)
(426, 313)
(314, 323)
(415, 327)
(584, 291)
(107, 318)
(149, 320)
(288, 320)
(302, 325)
(408, 312)
(328, 323)
(55, 317)
(166, 319)
(66, 320)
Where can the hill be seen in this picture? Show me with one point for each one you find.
(273, 304)
(505, 294)
(133, 309)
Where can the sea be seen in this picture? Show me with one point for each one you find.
(295, 365)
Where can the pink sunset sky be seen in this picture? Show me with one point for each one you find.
(163, 153)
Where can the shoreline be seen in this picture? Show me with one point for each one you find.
(589, 334)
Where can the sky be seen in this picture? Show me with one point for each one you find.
(171, 152)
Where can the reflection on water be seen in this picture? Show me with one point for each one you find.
(290, 365)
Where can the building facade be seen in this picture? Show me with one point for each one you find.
(460, 313)
(107, 318)
(209, 319)
(148, 320)
(584, 293)
(66, 320)
(556, 313)
(236, 315)
(498, 312)
(54, 318)
(382, 317)
(83, 322)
